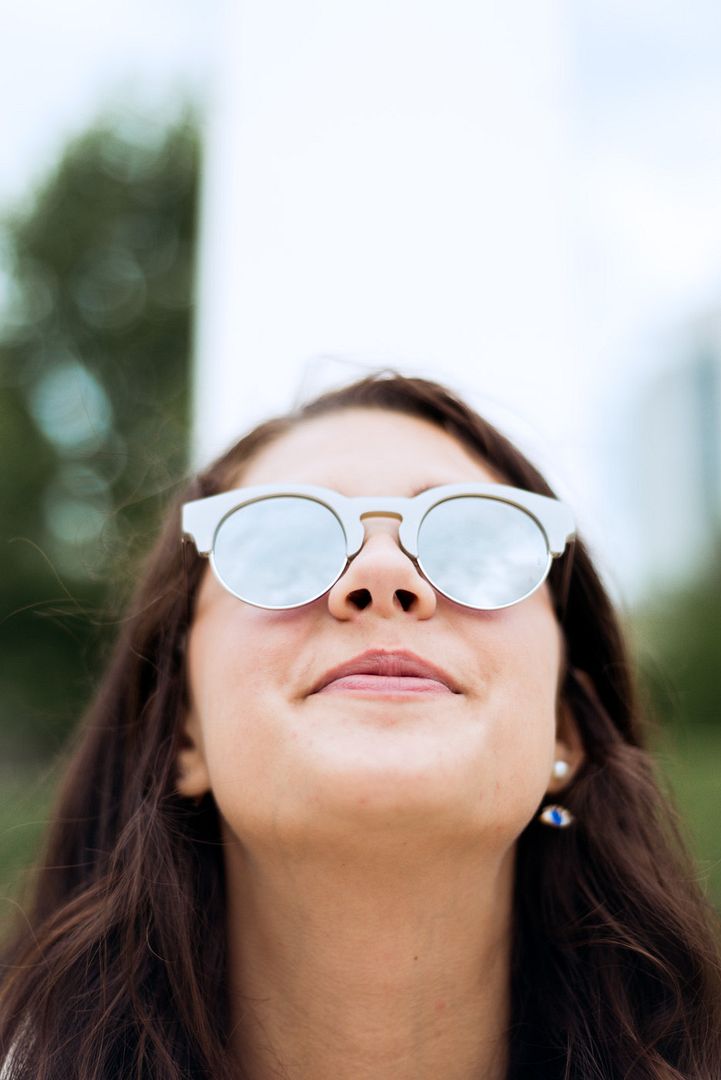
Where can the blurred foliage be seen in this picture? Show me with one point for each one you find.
(689, 760)
(97, 295)
(676, 637)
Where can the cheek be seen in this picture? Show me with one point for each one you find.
(522, 702)
(237, 680)
(224, 670)
(237, 654)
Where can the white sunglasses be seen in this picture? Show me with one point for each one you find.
(280, 546)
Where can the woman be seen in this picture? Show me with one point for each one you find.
(372, 804)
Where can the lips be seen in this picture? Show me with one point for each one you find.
(387, 670)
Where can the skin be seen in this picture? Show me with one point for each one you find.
(369, 841)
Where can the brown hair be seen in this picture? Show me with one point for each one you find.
(118, 968)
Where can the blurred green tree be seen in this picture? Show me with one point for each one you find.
(678, 645)
(94, 405)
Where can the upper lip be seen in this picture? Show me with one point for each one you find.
(393, 662)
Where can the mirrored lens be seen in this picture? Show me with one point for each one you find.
(482, 552)
(280, 552)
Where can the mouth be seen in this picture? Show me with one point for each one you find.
(382, 671)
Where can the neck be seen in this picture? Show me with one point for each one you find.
(382, 965)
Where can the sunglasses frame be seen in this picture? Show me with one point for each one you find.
(202, 518)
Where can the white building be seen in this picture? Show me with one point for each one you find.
(676, 466)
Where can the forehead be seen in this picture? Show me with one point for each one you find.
(367, 451)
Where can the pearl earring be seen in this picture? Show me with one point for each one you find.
(560, 768)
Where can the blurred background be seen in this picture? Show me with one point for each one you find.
(210, 211)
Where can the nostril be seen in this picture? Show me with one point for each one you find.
(406, 598)
(360, 597)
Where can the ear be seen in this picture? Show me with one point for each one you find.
(192, 778)
(568, 748)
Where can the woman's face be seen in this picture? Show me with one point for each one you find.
(286, 764)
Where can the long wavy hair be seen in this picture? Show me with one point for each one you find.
(117, 968)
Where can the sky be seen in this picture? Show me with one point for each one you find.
(61, 64)
(647, 138)
(642, 98)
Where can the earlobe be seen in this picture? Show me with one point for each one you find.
(569, 750)
(192, 779)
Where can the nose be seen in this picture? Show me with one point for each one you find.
(382, 579)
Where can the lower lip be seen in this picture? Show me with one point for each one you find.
(385, 684)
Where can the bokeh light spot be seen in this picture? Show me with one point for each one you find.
(110, 292)
(71, 408)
